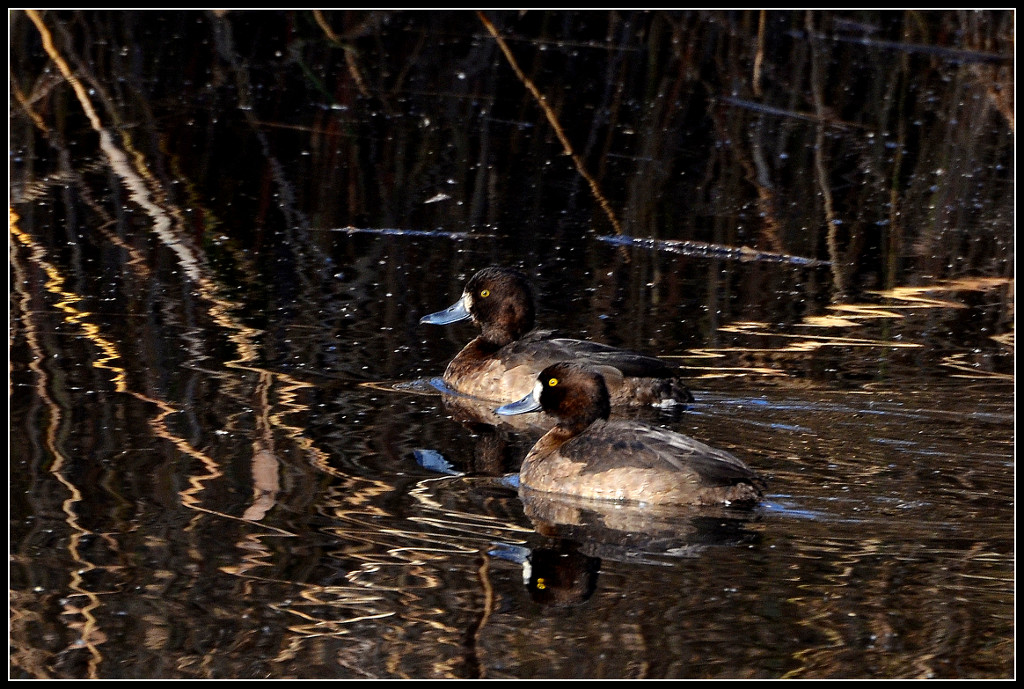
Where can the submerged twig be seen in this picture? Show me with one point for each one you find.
(956, 55)
(553, 120)
(782, 112)
(708, 250)
(410, 233)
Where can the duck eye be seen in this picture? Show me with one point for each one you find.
(485, 293)
(553, 382)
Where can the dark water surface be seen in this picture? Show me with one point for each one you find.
(227, 457)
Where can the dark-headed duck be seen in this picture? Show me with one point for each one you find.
(502, 363)
(590, 456)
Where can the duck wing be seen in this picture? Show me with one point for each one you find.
(608, 444)
(549, 346)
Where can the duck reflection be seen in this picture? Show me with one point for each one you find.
(500, 442)
(556, 575)
(472, 411)
(579, 534)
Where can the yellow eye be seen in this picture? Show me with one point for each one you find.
(553, 382)
(541, 584)
(485, 293)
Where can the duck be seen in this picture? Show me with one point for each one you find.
(588, 455)
(501, 364)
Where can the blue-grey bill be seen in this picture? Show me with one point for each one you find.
(527, 404)
(453, 314)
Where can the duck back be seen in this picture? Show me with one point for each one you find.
(621, 459)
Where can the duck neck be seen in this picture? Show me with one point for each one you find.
(550, 441)
(494, 338)
(586, 413)
(498, 335)
(479, 348)
(571, 427)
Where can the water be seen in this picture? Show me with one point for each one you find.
(228, 458)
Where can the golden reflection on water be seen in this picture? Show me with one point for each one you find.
(167, 226)
(79, 616)
(898, 304)
(395, 579)
(875, 571)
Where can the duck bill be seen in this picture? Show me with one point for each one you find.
(459, 311)
(527, 404)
